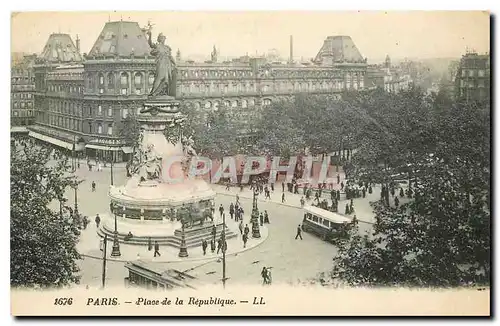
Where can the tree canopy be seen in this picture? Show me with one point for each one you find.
(42, 241)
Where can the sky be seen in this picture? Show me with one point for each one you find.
(412, 34)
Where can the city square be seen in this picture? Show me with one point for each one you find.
(137, 165)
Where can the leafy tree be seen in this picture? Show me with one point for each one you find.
(442, 237)
(129, 130)
(42, 241)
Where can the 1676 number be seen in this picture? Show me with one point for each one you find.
(63, 301)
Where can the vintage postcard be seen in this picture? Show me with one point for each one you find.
(239, 163)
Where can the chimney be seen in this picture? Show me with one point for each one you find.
(291, 48)
(77, 44)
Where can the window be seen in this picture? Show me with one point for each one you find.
(15, 105)
(234, 104)
(227, 104)
(197, 105)
(99, 109)
(151, 78)
(471, 73)
(208, 105)
(101, 79)
(315, 218)
(251, 102)
(111, 80)
(110, 129)
(101, 90)
(124, 79)
(326, 223)
(29, 95)
(22, 105)
(110, 112)
(99, 128)
(138, 78)
(124, 113)
(244, 104)
(225, 88)
(480, 73)
(123, 91)
(90, 127)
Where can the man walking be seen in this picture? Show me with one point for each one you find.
(299, 233)
(157, 249)
(204, 245)
(245, 239)
(93, 186)
(221, 210)
(231, 210)
(240, 226)
(97, 220)
(282, 197)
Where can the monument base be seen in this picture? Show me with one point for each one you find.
(166, 234)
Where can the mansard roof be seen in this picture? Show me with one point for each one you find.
(121, 38)
(59, 49)
(341, 48)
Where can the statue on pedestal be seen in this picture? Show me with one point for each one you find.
(165, 66)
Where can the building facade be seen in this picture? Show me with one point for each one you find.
(83, 99)
(392, 79)
(22, 93)
(472, 82)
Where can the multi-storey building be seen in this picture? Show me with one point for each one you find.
(388, 77)
(472, 83)
(82, 100)
(22, 94)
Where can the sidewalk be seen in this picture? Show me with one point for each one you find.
(89, 243)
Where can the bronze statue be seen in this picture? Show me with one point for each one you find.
(165, 66)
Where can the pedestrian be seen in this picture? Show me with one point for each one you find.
(214, 231)
(268, 194)
(263, 273)
(370, 189)
(157, 249)
(237, 200)
(245, 239)
(299, 233)
(283, 186)
(97, 220)
(261, 219)
(231, 210)
(204, 245)
(338, 195)
(272, 187)
(401, 192)
(212, 245)
(150, 245)
(266, 217)
(85, 222)
(364, 192)
(246, 230)
(227, 186)
(342, 185)
(282, 197)
(396, 201)
(338, 178)
(346, 209)
(302, 201)
(221, 210)
(219, 245)
(240, 226)
(93, 186)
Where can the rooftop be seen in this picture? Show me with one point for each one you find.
(341, 48)
(60, 48)
(121, 38)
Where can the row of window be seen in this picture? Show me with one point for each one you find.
(216, 73)
(473, 72)
(65, 88)
(15, 80)
(22, 95)
(77, 125)
(229, 104)
(109, 82)
(472, 83)
(22, 113)
(22, 105)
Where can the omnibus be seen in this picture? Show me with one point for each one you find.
(327, 225)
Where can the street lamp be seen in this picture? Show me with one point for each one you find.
(224, 248)
(116, 245)
(112, 167)
(255, 217)
(183, 249)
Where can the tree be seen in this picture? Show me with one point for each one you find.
(129, 130)
(442, 236)
(42, 241)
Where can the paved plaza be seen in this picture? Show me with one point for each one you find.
(291, 260)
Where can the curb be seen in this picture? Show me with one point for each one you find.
(181, 261)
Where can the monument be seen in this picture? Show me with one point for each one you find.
(162, 201)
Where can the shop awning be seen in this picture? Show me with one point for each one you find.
(55, 141)
(103, 148)
(127, 150)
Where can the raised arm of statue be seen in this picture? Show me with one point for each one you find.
(150, 42)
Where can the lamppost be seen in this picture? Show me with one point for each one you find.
(116, 245)
(183, 249)
(112, 159)
(255, 217)
(224, 248)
